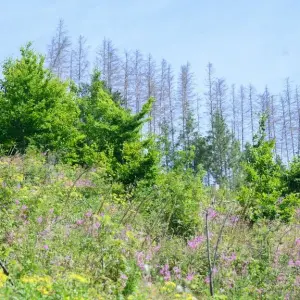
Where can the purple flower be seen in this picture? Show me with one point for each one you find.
(96, 225)
(140, 260)
(211, 213)
(123, 276)
(17, 202)
(79, 222)
(165, 272)
(234, 219)
(46, 247)
(177, 272)
(24, 207)
(207, 280)
(40, 220)
(291, 263)
(297, 263)
(194, 243)
(190, 276)
(298, 242)
(89, 214)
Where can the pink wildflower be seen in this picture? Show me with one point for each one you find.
(96, 225)
(298, 242)
(190, 276)
(212, 213)
(194, 243)
(40, 220)
(89, 214)
(207, 280)
(17, 202)
(46, 247)
(165, 272)
(79, 222)
(291, 263)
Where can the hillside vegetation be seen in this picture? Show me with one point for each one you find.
(91, 207)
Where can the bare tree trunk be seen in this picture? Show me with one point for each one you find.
(80, 61)
(108, 62)
(242, 112)
(284, 129)
(298, 117)
(59, 52)
(290, 116)
(251, 91)
(170, 95)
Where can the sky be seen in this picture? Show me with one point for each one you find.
(255, 41)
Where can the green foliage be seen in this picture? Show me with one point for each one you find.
(114, 131)
(261, 194)
(223, 151)
(174, 201)
(36, 108)
(292, 178)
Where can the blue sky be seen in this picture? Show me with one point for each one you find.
(255, 41)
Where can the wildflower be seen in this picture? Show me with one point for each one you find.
(79, 222)
(40, 220)
(194, 243)
(140, 260)
(211, 213)
(298, 242)
(297, 263)
(78, 278)
(24, 207)
(165, 272)
(44, 290)
(36, 279)
(17, 202)
(234, 219)
(89, 214)
(96, 225)
(190, 276)
(291, 263)
(207, 280)
(177, 272)
(3, 279)
(170, 284)
(46, 247)
(123, 276)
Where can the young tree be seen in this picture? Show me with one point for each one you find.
(260, 194)
(36, 108)
(114, 131)
(223, 150)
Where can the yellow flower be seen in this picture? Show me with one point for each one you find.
(177, 296)
(44, 290)
(3, 279)
(36, 279)
(170, 284)
(78, 278)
